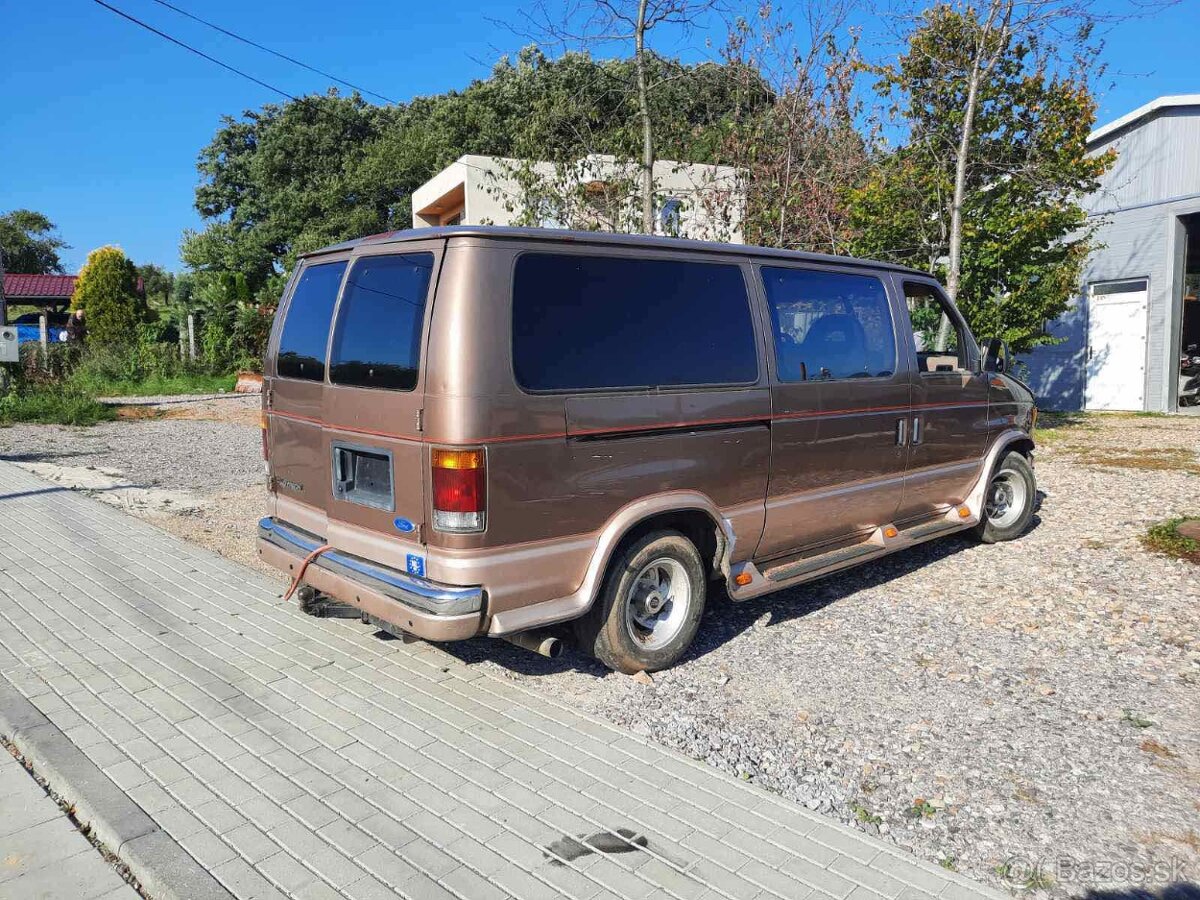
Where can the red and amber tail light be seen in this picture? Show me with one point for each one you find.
(459, 490)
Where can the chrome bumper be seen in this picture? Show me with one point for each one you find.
(419, 593)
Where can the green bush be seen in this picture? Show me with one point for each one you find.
(233, 326)
(53, 367)
(145, 369)
(107, 293)
(1165, 538)
(52, 405)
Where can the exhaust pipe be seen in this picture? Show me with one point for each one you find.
(540, 642)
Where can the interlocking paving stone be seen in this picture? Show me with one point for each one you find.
(41, 853)
(307, 758)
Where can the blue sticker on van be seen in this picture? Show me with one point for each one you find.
(416, 565)
(403, 525)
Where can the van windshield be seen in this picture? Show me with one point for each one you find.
(377, 338)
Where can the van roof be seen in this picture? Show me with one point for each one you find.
(556, 235)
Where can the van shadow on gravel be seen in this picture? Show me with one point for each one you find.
(1181, 890)
(725, 620)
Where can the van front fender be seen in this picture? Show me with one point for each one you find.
(1009, 439)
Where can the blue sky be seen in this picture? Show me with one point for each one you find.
(102, 120)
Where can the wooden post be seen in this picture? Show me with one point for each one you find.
(192, 337)
(44, 339)
(3, 300)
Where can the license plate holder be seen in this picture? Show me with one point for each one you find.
(363, 475)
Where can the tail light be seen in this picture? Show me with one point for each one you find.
(262, 426)
(459, 490)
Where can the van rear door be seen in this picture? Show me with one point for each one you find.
(373, 404)
(294, 394)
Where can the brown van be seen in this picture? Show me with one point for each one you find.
(488, 431)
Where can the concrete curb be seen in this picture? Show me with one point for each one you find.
(166, 871)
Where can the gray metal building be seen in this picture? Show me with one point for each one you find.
(1138, 308)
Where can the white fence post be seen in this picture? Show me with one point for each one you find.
(44, 338)
(192, 337)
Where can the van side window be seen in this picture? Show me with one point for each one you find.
(306, 329)
(597, 322)
(829, 324)
(377, 338)
(941, 345)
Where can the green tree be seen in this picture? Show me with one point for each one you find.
(29, 244)
(276, 182)
(291, 177)
(576, 107)
(234, 325)
(797, 138)
(157, 285)
(107, 294)
(631, 25)
(995, 153)
(220, 295)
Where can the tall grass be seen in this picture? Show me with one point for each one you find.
(61, 386)
(152, 385)
(52, 405)
(144, 369)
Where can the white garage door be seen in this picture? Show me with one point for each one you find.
(1116, 363)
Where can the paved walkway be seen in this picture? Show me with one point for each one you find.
(42, 855)
(307, 758)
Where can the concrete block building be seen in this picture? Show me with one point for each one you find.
(704, 202)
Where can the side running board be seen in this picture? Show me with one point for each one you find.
(808, 564)
(882, 540)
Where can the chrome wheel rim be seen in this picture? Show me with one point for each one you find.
(1006, 498)
(657, 603)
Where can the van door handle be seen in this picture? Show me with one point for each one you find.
(916, 438)
(901, 432)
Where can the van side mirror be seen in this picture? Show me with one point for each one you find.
(996, 356)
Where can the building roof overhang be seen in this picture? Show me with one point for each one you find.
(1142, 112)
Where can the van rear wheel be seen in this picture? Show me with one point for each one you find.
(649, 608)
(1008, 501)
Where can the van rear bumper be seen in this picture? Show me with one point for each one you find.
(425, 608)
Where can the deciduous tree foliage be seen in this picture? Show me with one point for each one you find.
(288, 178)
(107, 293)
(798, 138)
(293, 177)
(29, 244)
(157, 284)
(1025, 236)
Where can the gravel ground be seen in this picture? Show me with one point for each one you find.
(192, 465)
(1027, 713)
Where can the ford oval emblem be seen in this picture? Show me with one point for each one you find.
(403, 525)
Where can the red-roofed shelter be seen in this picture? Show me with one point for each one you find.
(39, 290)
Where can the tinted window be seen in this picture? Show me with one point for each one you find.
(377, 341)
(829, 324)
(306, 329)
(590, 322)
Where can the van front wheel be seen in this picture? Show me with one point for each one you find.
(1008, 501)
(649, 609)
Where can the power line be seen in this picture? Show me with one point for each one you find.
(245, 40)
(200, 53)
